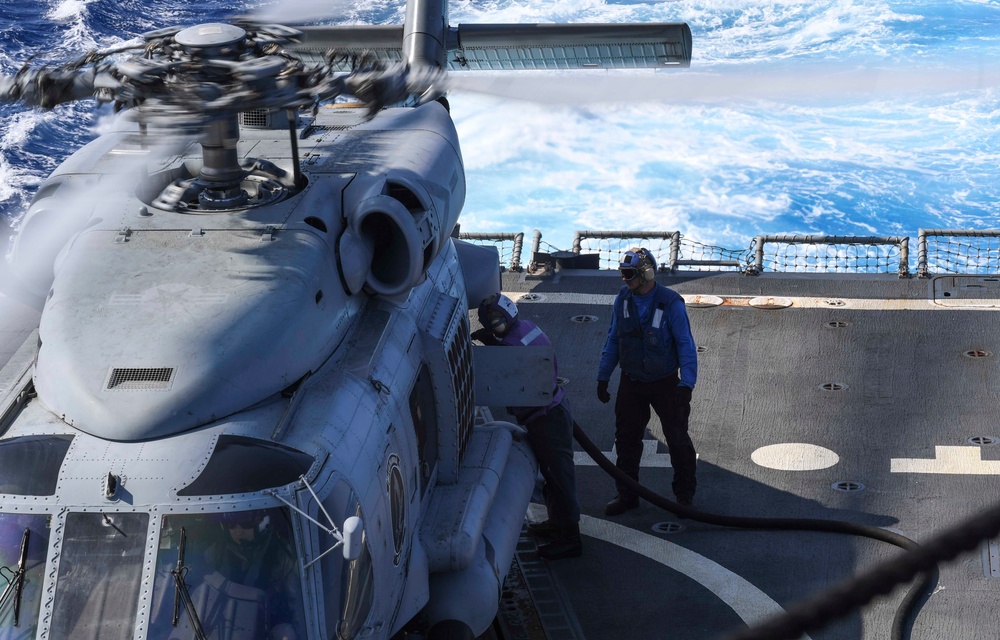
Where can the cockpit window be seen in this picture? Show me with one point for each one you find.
(242, 465)
(24, 542)
(100, 574)
(29, 465)
(240, 577)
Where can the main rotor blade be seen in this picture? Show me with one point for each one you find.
(813, 83)
(295, 12)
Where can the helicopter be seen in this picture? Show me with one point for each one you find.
(250, 407)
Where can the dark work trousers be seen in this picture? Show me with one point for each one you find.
(632, 416)
(551, 440)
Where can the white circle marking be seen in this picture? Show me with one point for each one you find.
(795, 456)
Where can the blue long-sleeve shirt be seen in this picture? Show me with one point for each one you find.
(674, 327)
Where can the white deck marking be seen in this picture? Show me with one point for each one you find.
(951, 460)
(795, 456)
(650, 458)
(748, 602)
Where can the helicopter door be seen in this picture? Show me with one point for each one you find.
(425, 425)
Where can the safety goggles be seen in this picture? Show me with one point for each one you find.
(628, 273)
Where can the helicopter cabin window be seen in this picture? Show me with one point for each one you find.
(239, 575)
(424, 416)
(348, 585)
(241, 465)
(29, 465)
(24, 542)
(100, 576)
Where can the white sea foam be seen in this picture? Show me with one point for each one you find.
(79, 37)
(719, 170)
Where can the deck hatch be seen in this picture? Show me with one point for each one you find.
(833, 386)
(847, 486)
(978, 353)
(140, 379)
(667, 527)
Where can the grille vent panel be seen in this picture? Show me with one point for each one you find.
(255, 119)
(460, 362)
(146, 379)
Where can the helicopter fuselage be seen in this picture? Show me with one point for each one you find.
(229, 370)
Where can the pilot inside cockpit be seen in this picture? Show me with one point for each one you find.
(252, 555)
(241, 577)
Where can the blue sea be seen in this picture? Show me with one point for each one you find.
(823, 161)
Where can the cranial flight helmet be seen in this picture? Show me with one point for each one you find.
(638, 262)
(498, 313)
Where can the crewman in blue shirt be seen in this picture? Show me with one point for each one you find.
(550, 432)
(650, 338)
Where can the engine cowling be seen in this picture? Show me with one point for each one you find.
(401, 212)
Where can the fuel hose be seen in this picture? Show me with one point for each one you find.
(850, 594)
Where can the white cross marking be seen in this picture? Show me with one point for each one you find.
(954, 460)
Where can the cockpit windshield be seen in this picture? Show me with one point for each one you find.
(240, 578)
(100, 576)
(22, 569)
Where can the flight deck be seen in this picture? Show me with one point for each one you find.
(869, 399)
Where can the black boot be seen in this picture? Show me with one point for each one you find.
(545, 530)
(620, 505)
(566, 544)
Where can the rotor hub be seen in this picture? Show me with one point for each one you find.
(214, 39)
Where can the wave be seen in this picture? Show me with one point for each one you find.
(720, 173)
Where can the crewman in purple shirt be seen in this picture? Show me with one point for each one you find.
(650, 339)
(550, 432)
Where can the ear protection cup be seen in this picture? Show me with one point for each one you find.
(647, 265)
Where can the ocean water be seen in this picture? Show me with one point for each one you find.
(827, 160)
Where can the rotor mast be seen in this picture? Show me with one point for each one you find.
(425, 32)
(221, 167)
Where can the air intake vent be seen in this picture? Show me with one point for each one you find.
(255, 119)
(264, 119)
(159, 379)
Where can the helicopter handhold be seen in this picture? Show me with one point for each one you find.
(111, 484)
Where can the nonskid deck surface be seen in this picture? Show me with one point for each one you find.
(882, 386)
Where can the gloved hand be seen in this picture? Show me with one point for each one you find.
(485, 336)
(684, 394)
(602, 391)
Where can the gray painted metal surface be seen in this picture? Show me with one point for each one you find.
(514, 377)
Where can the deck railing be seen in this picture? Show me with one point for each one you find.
(831, 254)
(940, 251)
(508, 244)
